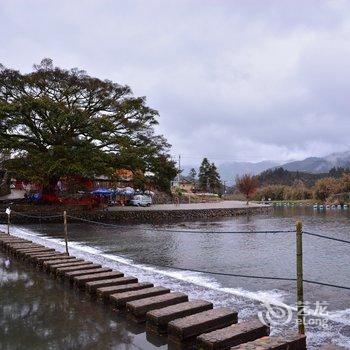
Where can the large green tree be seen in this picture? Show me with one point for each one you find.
(57, 122)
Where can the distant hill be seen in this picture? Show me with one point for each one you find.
(312, 165)
(318, 165)
(229, 170)
(280, 176)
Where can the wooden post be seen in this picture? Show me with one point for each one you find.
(65, 230)
(8, 221)
(300, 288)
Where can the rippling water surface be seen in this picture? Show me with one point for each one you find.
(145, 250)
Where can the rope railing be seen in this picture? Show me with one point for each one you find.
(41, 217)
(44, 217)
(172, 230)
(325, 237)
(287, 279)
(276, 278)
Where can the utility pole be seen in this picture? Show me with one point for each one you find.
(179, 170)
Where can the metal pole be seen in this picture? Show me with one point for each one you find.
(65, 230)
(300, 288)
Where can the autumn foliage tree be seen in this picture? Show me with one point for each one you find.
(325, 187)
(247, 185)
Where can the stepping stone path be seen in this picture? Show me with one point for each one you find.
(188, 324)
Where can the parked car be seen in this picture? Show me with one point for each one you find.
(140, 200)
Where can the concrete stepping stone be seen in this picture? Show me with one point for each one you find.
(41, 254)
(5, 238)
(5, 245)
(86, 271)
(101, 275)
(41, 259)
(119, 300)
(184, 331)
(73, 263)
(14, 240)
(25, 252)
(105, 292)
(16, 249)
(73, 274)
(29, 249)
(233, 335)
(87, 266)
(15, 246)
(291, 341)
(31, 257)
(19, 244)
(138, 309)
(92, 286)
(62, 260)
(157, 320)
(46, 255)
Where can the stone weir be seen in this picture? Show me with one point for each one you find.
(169, 317)
(134, 215)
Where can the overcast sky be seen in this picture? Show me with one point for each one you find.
(233, 80)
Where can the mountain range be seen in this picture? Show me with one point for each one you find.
(320, 164)
(229, 170)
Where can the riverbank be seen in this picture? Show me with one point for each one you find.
(27, 214)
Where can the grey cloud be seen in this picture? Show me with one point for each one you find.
(246, 80)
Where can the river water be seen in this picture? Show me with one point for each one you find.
(145, 250)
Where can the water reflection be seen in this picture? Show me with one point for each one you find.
(38, 312)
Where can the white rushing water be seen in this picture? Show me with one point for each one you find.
(199, 285)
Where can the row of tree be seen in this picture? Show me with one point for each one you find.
(280, 176)
(327, 188)
(208, 179)
(56, 123)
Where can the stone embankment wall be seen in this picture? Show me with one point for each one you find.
(130, 216)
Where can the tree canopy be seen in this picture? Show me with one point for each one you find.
(247, 184)
(57, 122)
(208, 177)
